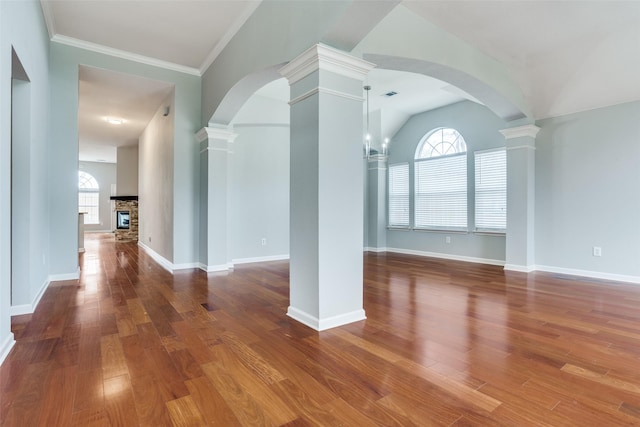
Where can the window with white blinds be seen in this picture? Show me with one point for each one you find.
(398, 195)
(88, 198)
(491, 190)
(441, 192)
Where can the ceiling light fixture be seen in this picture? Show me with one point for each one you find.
(114, 121)
(367, 138)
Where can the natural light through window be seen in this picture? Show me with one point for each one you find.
(441, 181)
(88, 198)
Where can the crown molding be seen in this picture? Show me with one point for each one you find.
(527, 130)
(226, 38)
(98, 48)
(47, 11)
(325, 91)
(207, 133)
(322, 57)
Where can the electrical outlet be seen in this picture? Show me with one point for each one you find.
(597, 251)
(264, 241)
(447, 239)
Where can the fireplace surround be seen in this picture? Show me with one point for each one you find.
(126, 218)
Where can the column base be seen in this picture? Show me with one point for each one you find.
(326, 323)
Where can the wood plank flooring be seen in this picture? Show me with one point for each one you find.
(445, 344)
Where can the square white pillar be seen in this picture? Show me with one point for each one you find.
(326, 194)
(214, 197)
(520, 243)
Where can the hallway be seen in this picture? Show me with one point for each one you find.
(445, 343)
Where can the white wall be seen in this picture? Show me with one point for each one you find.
(127, 171)
(22, 27)
(259, 185)
(588, 192)
(156, 198)
(105, 174)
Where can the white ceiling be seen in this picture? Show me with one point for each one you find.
(106, 94)
(566, 56)
(183, 32)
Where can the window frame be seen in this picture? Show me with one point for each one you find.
(486, 229)
(92, 215)
(406, 225)
(460, 216)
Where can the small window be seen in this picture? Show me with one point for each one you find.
(89, 198)
(399, 195)
(491, 190)
(441, 181)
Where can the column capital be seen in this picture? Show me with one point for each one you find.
(520, 131)
(223, 134)
(322, 57)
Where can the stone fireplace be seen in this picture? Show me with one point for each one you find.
(126, 218)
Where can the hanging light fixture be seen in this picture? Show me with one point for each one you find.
(367, 138)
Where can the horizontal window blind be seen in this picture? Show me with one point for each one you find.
(398, 195)
(441, 193)
(491, 190)
(89, 202)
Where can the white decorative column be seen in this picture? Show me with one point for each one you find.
(377, 198)
(520, 242)
(326, 197)
(215, 149)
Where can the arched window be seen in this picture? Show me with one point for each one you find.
(441, 181)
(89, 198)
(441, 142)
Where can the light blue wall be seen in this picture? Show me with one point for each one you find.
(588, 191)
(155, 155)
(64, 151)
(480, 129)
(22, 27)
(259, 180)
(105, 174)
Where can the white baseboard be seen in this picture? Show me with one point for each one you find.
(589, 274)
(164, 263)
(326, 323)
(520, 268)
(447, 256)
(185, 266)
(168, 265)
(213, 268)
(67, 276)
(17, 310)
(6, 346)
(376, 250)
(260, 259)
(98, 231)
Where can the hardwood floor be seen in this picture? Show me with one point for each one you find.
(445, 343)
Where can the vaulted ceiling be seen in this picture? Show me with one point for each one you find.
(566, 56)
